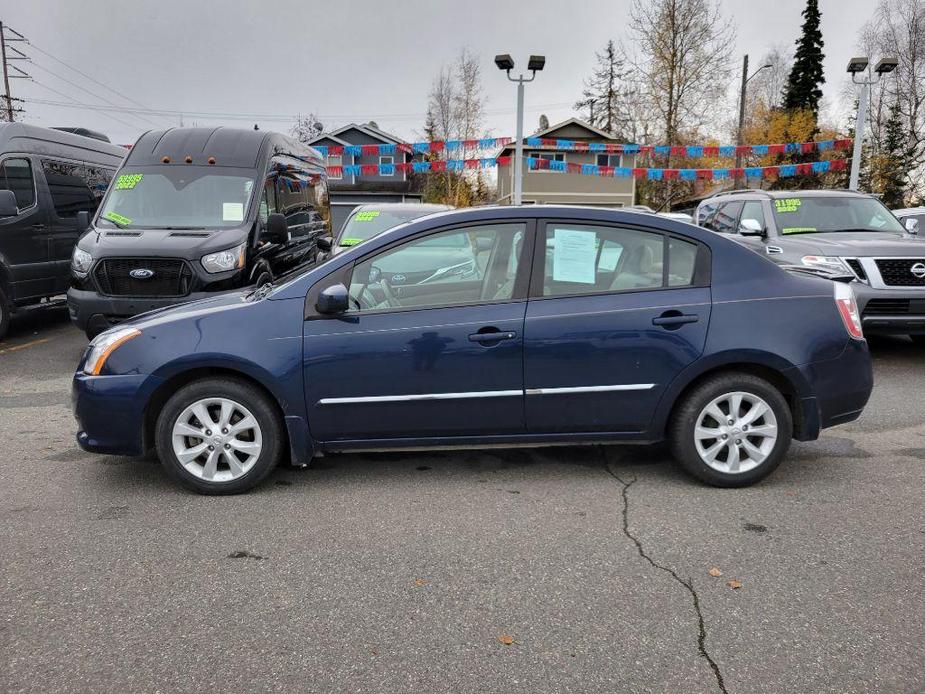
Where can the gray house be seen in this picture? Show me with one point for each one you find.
(543, 186)
(348, 191)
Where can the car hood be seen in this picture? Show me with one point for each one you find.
(190, 244)
(856, 244)
(219, 302)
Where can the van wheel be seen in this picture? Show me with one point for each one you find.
(5, 313)
(732, 430)
(262, 279)
(219, 436)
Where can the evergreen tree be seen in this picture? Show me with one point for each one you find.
(894, 161)
(601, 102)
(803, 88)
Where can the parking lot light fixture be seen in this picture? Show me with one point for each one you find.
(857, 66)
(505, 63)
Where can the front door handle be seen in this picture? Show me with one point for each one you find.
(490, 337)
(38, 227)
(675, 319)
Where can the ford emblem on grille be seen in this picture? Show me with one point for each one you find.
(918, 270)
(142, 273)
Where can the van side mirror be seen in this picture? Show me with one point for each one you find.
(8, 206)
(751, 227)
(276, 229)
(912, 225)
(325, 243)
(333, 300)
(83, 221)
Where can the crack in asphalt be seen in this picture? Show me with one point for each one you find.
(688, 584)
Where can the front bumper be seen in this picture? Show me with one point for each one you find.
(88, 309)
(890, 311)
(110, 412)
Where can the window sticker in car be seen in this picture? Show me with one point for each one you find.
(128, 181)
(787, 204)
(232, 211)
(350, 241)
(574, 256)
(366, 215)
(117, 218)
(798, 230)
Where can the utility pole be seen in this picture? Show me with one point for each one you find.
(6, 58)
(534, 65)
(860, 66)
(740, 132)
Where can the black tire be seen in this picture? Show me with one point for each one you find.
(260, 406)
(5, 313)
(686, 414)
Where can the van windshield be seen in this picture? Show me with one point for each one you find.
(178, 196)
(815, 215)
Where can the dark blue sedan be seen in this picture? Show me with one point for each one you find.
(572, 325)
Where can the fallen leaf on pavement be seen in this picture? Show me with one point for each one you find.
(506, 640)
(734, 584)
(420, 582)
(715, 572)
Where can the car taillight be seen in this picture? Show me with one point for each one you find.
(848, 309)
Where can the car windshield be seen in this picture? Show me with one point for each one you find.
(366, 223)
(811, 215)
(178, 196)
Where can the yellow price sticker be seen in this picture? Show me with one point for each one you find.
(787, 204)
(128, 181)
(366, 215)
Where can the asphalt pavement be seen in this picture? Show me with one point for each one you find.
(578, 569)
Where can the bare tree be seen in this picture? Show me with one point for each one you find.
(306, 128)
(603, 99)
(468, 102)
(682, 53)
(767, 87)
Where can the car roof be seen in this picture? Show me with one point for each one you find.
(909, 210)
(402, 206)
(778, 194)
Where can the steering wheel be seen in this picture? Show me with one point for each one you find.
(368, 299)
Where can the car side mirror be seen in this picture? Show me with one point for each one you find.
(751, 227)
(276, 229)
(333, 300)
(912, 225)
(325, 243)
(8, 206)
(83, 221)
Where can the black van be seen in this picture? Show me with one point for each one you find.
(46, 178)
(195, 211)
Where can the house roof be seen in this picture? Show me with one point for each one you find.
(593, 133)
(368, 130)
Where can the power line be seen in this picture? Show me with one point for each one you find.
(75, 104)
(6, 58)
(86, 76)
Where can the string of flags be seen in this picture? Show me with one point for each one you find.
(536, 163)
(689, 151)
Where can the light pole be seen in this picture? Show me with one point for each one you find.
(857, 66)
(745, 80)
(535, 64)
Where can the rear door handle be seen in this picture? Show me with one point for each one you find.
(491, 337)
(675, 318)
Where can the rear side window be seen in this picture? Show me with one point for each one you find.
(75, 187)
(725, 219)
(584, 259)
(16, 175)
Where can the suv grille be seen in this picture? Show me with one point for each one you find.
(170, 278)
(897, 272)
(857, 268)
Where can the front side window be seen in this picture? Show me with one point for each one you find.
(585, 259)
(754, 211)
(178, 196)
(16, 175)
(74, 187)
(724, 221)
(826, 214)
(451, 268)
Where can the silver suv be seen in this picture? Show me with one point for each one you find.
(839, 231)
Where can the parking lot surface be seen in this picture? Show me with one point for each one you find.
(559, 569)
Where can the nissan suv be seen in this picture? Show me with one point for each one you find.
(838, 232)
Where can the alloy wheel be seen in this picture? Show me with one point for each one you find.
(217, 439)
(735, 432)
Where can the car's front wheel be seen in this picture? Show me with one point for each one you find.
(219, 436)
(732, 430)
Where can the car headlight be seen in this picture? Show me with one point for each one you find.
(825, 261)
(230, 259)
(105, 344)
(81, 262)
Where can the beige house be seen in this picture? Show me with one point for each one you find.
(543, 186)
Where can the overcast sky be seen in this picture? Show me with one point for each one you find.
(352, 60)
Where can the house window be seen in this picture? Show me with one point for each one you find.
(387, 160)
(614, 160)
(548, 156)
(336, 160)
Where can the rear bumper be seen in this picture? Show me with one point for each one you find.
(890, 311)
(841, 388)
(110, 412)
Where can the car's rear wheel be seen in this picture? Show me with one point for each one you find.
(219, 436)
(732, 430)
(5, 313)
